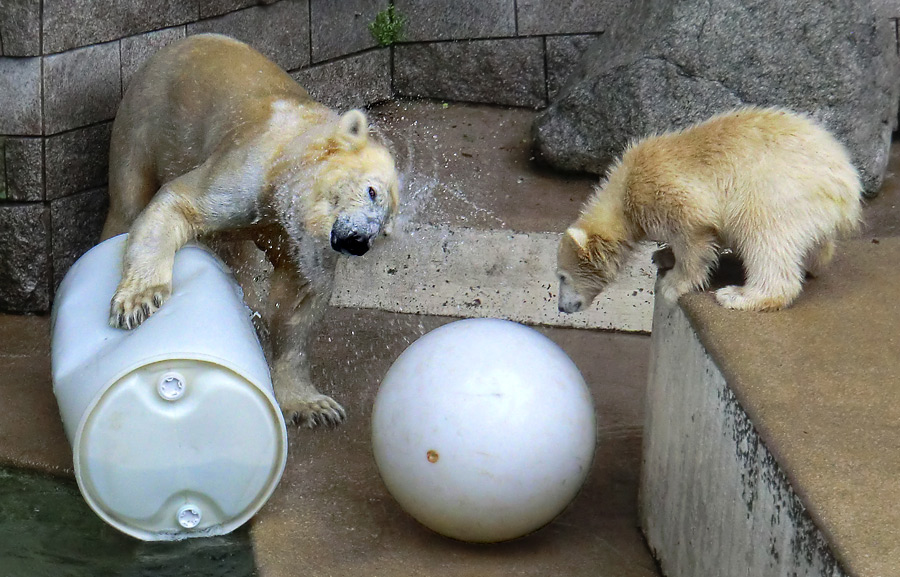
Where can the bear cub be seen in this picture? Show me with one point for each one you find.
(769, 184)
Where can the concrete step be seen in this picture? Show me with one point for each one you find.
(771, 439)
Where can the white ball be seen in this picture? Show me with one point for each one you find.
(483, 430)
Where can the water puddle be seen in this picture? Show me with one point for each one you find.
(46, 529)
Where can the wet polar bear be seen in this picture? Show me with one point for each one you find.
(770, 184)
(213, 140)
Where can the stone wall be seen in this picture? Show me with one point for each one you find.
(64, 65)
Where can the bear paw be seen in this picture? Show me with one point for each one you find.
(731, 297)
(314, 411)
(672, 286)
(131, 307)
(739, 298)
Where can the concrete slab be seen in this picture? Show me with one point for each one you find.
(465, 243)
(493, 273)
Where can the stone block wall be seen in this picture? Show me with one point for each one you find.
(65, 64)
(508, 52)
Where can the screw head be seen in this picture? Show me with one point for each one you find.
(189, 516)
(171, 386)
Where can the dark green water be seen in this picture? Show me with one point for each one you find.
(46, 529)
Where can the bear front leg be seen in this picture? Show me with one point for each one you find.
(293, 311)
(159, 231)
(694, 254)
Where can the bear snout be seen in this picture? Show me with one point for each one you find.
(569, 300)
(570, 306)
(355, 233)
(353, 243)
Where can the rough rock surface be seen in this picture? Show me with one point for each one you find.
(76, 224)
(669, 63)
(506, 71)
(24, 257)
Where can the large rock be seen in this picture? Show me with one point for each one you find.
(669, 63)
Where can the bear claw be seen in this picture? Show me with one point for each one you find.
(320, 410)
(130, 308)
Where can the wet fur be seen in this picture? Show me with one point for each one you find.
(771, 185)
(213, 140)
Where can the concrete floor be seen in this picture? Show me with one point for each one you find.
(465, 166)
(332, 515)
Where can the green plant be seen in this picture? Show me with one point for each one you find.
(387, 28)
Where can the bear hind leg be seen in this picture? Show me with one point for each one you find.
(819, 258)
(774, 278)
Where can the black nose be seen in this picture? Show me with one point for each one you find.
(570, 307)
(354, 243)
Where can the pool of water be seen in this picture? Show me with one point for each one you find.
(46, 529)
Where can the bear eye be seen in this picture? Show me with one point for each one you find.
(373, 194)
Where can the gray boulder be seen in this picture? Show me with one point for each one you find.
(669, 63)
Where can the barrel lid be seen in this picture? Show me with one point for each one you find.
(179, 449)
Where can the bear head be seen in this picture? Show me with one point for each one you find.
(585, 264)
(347, 189)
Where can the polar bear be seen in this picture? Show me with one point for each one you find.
(769, 184)
(213, 140)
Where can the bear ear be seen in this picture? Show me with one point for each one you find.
(353, 130)
(578, 236)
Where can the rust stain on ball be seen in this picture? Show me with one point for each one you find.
(432, 456)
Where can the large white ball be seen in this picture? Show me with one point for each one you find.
(483, 430)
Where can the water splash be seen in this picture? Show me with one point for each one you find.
(426, 199)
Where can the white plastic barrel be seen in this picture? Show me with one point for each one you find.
(174, 427)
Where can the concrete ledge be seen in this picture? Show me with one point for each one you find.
(771, 438)
(714, 502)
